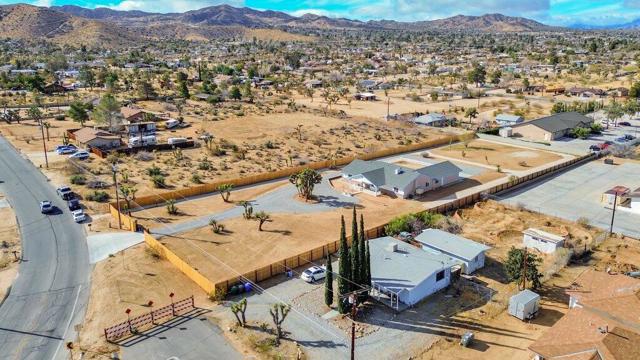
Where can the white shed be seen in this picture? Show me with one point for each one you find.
(542, 240)
(524, 305)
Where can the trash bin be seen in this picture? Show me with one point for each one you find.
(465, 340)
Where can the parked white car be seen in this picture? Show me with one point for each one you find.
(79, 216)
(314, 274)
(80, 155)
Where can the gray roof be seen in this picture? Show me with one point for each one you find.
(524, 297)
(559, 122)
(451, 244)
(404, 269)
(440, 170)
(508, 117)
(382, 173)
(430, 118)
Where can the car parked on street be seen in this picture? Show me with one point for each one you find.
(66, 150)
(314, 274)
(65, 192)
(624, 123)
(80, 155)
(46, 207)
(73, 204)
(79, 216)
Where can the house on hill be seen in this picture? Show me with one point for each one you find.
(379, 177)
(551, 127)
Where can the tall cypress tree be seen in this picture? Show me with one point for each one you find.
(328, 283)
(362, 273)
(367, 266)
(355, 253)
(344, 270)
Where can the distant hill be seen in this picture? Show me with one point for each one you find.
(39, 23)
(226, 15)
(107, 27)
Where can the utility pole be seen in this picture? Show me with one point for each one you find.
(114, 169)
(354, 303)
(613, 214)
(44, 143)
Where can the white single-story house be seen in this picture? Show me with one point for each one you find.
(365, 96)
(616, 195)
(465, 252)
(403, 273)
(432, 119)
(508, 120)
(543, 241)
(378, 177)
(90, 137)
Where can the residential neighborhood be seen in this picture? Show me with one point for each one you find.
(319, 180)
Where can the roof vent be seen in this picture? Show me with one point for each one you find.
(398, 171)
(392, 247)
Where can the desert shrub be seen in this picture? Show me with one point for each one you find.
(172, 209)
(78, 180)
(400, 224)
(154, 171)
(449, 225)
(584, 222)
(196, 179)
(98, 196)
(59, 117)
(430, 219)
(158, 181)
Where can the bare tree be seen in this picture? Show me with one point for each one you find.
(279, 312)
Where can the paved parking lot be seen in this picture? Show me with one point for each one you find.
(577, 192)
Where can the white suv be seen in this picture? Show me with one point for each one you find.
(313, 274)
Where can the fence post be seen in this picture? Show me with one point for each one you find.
(105, 335)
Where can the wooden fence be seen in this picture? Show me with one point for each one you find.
(126, 222)
(180, 194)
(282, 265)
(135, 324)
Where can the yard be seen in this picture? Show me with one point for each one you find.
(10, 235)
(491, 154)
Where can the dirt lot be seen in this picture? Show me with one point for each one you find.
(487, 153)
(10, 235)
(128, 280)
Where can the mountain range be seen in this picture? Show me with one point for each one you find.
(67, 24)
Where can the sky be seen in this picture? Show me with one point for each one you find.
(552, 12)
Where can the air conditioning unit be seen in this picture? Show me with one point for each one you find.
(392, 247)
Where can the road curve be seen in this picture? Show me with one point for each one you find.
(52, 288)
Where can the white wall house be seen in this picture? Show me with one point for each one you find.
(465, 252)
(635, 201)
(403, 273)
(543, 241)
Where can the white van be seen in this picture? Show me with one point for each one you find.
(176, 140)
(171, 123)
(142, 141)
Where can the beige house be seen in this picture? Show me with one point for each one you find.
(90, 137)
(551, 127)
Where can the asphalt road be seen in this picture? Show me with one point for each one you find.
(49, 296)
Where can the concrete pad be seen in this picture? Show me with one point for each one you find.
(330, 315)
(104, 244)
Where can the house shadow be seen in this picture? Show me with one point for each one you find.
(281, 232)
(494, 270)
(448, 192)
(335, 202)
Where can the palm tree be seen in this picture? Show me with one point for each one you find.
(471, 113)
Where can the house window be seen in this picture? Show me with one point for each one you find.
(440, 276)
(436, 181)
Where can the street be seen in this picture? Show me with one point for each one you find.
(50, 294)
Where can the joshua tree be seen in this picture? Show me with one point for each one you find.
(225, 191)
(172, 209)
(471, 113)
(240, 307)
(305, 181)
(248, 209)
(129, 194)
(299, 132)
(216, 227)
(279, 312)
(262, 217)
(46, 125)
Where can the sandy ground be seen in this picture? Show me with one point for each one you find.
(128, 280)
(10, 235)
(488, 153)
